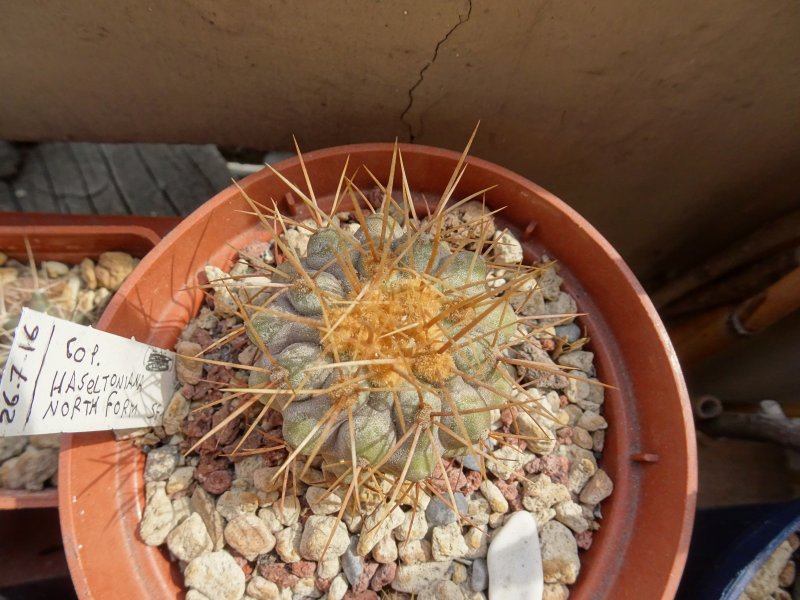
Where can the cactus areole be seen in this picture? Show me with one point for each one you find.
(380, 346)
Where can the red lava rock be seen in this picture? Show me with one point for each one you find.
(209, 464)
(239, 342)
(243, 563)
(323, 585)
(218, 482)
(584, 539)
(200, 391)
(563, 400)
(201, 336)
(229, 431)
(556, 467)
(535, 466)
(473, 482)
(365, 595)
(564, 435)
(510, 491)
(279, 574)
(219, 374)
(366, 575)
(507, 415)
(304, 568)
(384, 575)
(548, 344)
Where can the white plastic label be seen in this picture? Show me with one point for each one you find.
(65, 377)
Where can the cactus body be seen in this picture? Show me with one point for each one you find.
(386, 344)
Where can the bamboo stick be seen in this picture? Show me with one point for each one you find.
(779, 234)
(700, 337)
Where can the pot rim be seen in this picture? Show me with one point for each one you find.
(675, 461)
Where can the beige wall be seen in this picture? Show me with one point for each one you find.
(672, 125)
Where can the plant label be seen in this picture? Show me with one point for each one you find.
(65, 377)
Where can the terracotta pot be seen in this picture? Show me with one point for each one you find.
(650, 450)
(68, 244)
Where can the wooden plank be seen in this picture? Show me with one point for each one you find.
(8, 201)
(97, 178)
(135, 185)
(209, 163)
(32, 187)
(64, 176)
(173, 182)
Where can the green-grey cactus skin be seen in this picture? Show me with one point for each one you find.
(436, 408)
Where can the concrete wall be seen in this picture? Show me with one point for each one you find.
(673, 126)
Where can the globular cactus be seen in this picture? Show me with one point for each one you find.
(381, 347)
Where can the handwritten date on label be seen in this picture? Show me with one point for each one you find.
(64, 377)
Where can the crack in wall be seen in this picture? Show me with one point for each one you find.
(461, 20)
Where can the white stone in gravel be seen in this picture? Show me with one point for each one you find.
(555, 591)
(443, 590)
(188, 370)
(571, 514)
(579, 473)
(216, 575)
(414, 551)
(190, 539)
(353, 521)
(224, 305)
(287, 542)
(328, 568)
(564, 304)
(477, 543)
(447, 542)
(236, 502)
(176, 411)
(287, 510)
(160, 463)
(578, 359)
(195, 595)
(12, 446)
(413, 527)
(264, 479)
(506, 460)
(245, 468)
(158, 517)
(494, 496)
(203, 504)
(249, 536)
(180, 479)
(496, 519)
(377, 525)
(574, 412)
(305, 588)
(598, 440)
(582, 438)
(316, 532)
(514, 560)
(560, 561)
(540, 495)
(338, 588)
(597, 489)
(262, 589)
(414, 579)
(323, 502)
(181, 509)
(507, 249)
(478, 511)
(270, 520)
(592, 421)
(385, 551)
